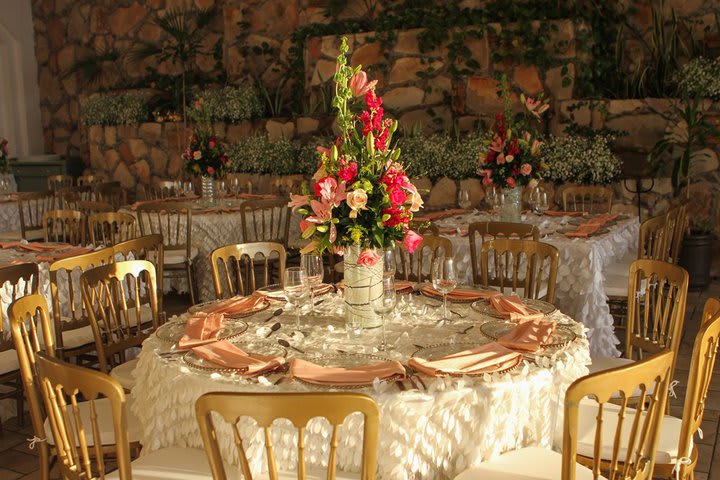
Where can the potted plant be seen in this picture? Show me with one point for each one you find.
(696, 254)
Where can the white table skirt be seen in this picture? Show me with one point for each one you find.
(9, 216)
(580, 289)
(431, 434)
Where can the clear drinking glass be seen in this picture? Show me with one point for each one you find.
(384, 304)
(235, 186)
(313, 265)
(444, 279)
(389, 265)
(189, 189)
(539, 200)
(464, 199)
(297, 288)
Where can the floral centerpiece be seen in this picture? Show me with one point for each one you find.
(581, 160)
(510, 157)
(205, 155)
(362, 200)
(4, 156)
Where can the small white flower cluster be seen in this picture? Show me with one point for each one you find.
(264, 156)
(119, 109)
(440, 155)
(582, 160)
(701, 76)
(231, 104)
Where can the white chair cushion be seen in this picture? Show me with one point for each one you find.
(616, 285)
(103, 409)
(600, 364)
(174, 463)
(530, 463)
(667, 451)
(123, 373)
(173, 257)
(78, 337)
(8, 361)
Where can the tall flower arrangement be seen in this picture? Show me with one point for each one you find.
(205, 155)
(361, 194)
(510, 156)
(4, 156)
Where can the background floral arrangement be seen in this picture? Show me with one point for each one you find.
(361, 193)
(701, 77)
(228, 104)
(510, 156)
(4, 156)
(205, 155)
(582, 160)
(120, 109)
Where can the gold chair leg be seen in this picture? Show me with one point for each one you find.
(191, 285)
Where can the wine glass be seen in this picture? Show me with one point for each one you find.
(539, 200)
(221, 188)
(383, 304)
(235, 186)
(313, 265)
(189, 190)
(296, 287)
(464, 199)
(444, 279)
(491, 194)
(389, 265)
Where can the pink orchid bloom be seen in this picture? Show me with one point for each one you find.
(497, 145)
(323, 150)
(368, 258)
(359, 84)
(297, 201)
(500, 159)
(411, 241)
(322, 211)
(320, 173)
(326, 188)
(340, 194)
(333, 233)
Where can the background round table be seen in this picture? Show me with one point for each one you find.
(435, 431)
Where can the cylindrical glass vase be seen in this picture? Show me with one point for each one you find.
(207, 189)
(361, 285)
(511, 209)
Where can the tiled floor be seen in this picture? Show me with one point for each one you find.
(17, 461)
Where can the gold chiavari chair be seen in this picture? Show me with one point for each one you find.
(64, 389)
(286, 186)
(676, 449)
(631, 444)
(416, 267)
(57, 182)
(299, 408)
(657, 295)
(111, 228)
(675, 232)
(90, 179)
(172, 220)
(31, 207)
(88, 208)
(150, 248)
(161, 190)
(422, 228)
(108, 291)
(67, 226)
(112, 193)
(265, 220)
(22, 279)
(73, 334)
(587, 198)
(525, 267)
(239, 262)
(484, 231)
(70, 196)
(711, 310)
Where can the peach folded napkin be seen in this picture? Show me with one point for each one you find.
(201, 329)
(511, 306)
(558, 213)
(528, 336)
(225, 354)
(591, 226)
(459, 294)
(67, 253)
(237, 305)
(44, 247)
(403, 286)
(4, 245)
(488, 358)
(360, 375)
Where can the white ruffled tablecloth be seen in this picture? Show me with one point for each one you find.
(433, 432)
(580, 290)
(213, 228)
(9, 214)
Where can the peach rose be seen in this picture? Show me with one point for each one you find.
(356, 200)
(526, 169)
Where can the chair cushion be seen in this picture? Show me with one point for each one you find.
(600, 364)
(174, 257)
(532, 463)
(667, 451)
(8, 361)
(78, 337)
(176, 463)
(103, 409)
(123, 373)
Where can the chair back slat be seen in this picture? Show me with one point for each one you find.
(675, 232)
(161, 190)
(32, 206)
(93, 179)
(265, 220)
(480, 232)
(634, 439)
(587, 198)
(237, 265)
(416, 266)
(66, 226)
(63, 387)
(652, 238)
(299, 409)
(112, 193)
(90, 207)
(21, 279)
(540, 261)
(111, 228)
(172, 220)
(58, 182)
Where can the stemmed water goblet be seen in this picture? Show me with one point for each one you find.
(235, 186)
(384, 304)
(539, 200)
(389, 265)
(444, 279)
(464, 200)
(296, 288)
(313, 265)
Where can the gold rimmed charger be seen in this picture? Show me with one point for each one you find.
(172, 332)
(349, 361)
(275, 291)
(257, 347)
(483, 307)
(438, 351)
(208, 306)
(468, 296)
(495, 329)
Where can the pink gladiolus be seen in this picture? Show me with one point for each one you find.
(297, 201)
(368, 258)
(411, 241)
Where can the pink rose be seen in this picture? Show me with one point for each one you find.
(397, 197)
(197, 155)
(211, 171)
(368, 258)
(411, 241)
(501, 159)
(511, 183)
(525, 169)
(211, 144)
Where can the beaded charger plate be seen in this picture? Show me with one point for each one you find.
(484, 307)
(441, 350)
(275, 291)
(200, 307)
(438, 296)
(496, 329)
(258, 347)
(172, 332)
(347, 360)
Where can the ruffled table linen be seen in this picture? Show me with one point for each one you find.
(433, 432)
(9, 214)
(580, 289)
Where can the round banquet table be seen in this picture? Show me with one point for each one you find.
(9, 214)
(213, 227)
(434, 431)
(580, 289)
